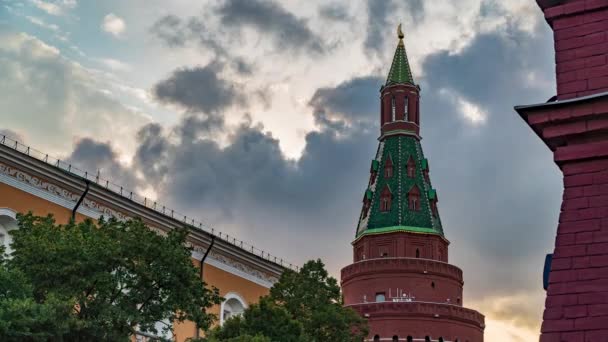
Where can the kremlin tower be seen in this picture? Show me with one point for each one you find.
(400, 279)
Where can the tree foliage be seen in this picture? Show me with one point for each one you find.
(302, 306)
(97, 281)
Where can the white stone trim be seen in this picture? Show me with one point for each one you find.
(228, 296)
(32, 190)
(8, 212)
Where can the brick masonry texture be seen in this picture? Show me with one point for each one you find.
(576, 307)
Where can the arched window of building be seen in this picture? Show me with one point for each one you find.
(380, 297)
(427, 339)
(417, 253)
(441, 339)
(385, 199)
(377, 338)
(433, 284)
(393, 108)
(410, 339)
(388, 167)
(234, 305)
(411, 168)
(8, 222)
(395, 338)
(405, 109)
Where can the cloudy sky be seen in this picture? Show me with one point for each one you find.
(261, 117)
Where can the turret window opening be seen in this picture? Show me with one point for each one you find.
(441, 339)
(411, 168)
(410, 339)
(377, 338)
(414, 199)
(417, 253)
(395, 338)
(427, 339)
(385, 199)
(393, 108)
(414, 205)
(388, 168)
(405, 109)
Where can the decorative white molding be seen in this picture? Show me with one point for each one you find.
(93, 209)
(227, 297)
(8, 212)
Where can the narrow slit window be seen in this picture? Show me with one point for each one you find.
(405, 109)
(393, 108)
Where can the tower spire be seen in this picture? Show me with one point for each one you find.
(400, 72)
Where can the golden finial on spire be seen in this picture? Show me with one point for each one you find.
(399, 32)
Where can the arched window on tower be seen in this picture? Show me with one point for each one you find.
(388, 167)
(393, 108)
(395, 338)
(441, 339)
(413, 198)
(405, 109)
(417, 253)
(411, 167)
(427, 339)
(385, 199)
(377, 338)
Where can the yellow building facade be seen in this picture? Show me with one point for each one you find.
(31, 181)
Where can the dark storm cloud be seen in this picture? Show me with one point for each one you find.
(270, 18)
(198, 89)
(377, 22)
(379, 17)
(175, 32)
(347, 101)
(334, 11)
(92, 156)
(498, 187)
(171, 30)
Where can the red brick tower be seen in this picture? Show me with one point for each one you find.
(574, 125)
(400, 279)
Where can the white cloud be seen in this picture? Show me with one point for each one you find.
(42, 23)
(48, 7)
(470, 111)
(56, 100)
(55, 8)
(114, 64)
(113, 24)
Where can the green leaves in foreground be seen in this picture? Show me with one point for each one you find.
(97, 281)
(302, 306)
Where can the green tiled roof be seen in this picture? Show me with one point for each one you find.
(400, 148)
(368, 194)
(425, 164)
(400, 72)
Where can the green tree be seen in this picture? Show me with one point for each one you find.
(115, 277)
(309, 299)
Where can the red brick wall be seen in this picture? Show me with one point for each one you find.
(577, 297)
(401, 244)
(576, 308)
(581, 45)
